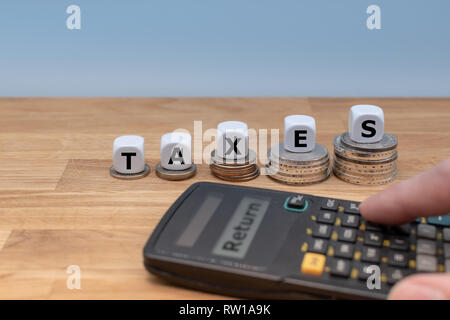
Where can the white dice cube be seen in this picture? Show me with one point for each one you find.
(366, 123)
(176, 151)
(128, 154)
(232, 140)
(299, 133)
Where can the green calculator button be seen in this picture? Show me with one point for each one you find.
(440, 221)
(296, 203)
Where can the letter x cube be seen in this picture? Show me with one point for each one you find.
(232, 140)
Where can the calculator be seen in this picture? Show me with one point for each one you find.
(259, 243)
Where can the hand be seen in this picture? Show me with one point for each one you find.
(427, 194)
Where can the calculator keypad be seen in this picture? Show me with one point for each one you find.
(350, 244)
(447, 234)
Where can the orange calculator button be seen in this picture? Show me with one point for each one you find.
(313, 263)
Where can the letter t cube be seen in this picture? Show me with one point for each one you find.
(128, 154)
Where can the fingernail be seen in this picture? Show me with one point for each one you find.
(412, 291)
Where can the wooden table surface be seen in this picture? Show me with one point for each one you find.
(59, 206)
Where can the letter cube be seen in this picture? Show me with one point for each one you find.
(299, 133)
(128, 154)
(176, 151)
(366, 123)
(232, 140)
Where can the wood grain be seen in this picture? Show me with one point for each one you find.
(60, 207)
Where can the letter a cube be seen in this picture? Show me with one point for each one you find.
(176, 151)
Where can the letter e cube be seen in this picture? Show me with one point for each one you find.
(299, 133)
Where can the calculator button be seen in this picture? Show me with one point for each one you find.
(403, 229)
(447, 250)
(326, 217)
(373, 227)
(347, 235)
(340, 267)
(373, 239)
(426, 247)
(371, 255)
(398, 243)
(313, 263)
(447, 234)
(318, 246)
(330, 204)
(322, 231)
(349, 220)
(398, 259)
(426, 263)
(297, 202)
(426, 231)
(363, 271)
(447, 265)
(395, 275)
(440, 221)
(352, 207)
(344, 250)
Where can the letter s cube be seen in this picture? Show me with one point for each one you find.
(176, 151)
(232, 140)
(128, 154)
(366, 123)
(299, 133)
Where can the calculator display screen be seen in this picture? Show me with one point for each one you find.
(199, 221)
(241, 228)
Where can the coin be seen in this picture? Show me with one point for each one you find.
(365, 174)
(174, 175)
(297, 179)
(364, 181)
(365, 163)
(130, 176)
(298, 167)
(372, 162)
(347, 152)
(251, 158)
(239, 178)
(300, 164)
(279, 154)
(361, 168)
(234, 170)
(388, 142)
(299, 170)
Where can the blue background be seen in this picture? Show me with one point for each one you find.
(225, 48)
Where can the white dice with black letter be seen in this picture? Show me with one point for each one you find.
(176, 151)
(366, 123)
(128, 154)
(232, 140)
(299, 133)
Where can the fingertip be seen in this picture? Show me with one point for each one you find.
(370, 209)
(418, 288)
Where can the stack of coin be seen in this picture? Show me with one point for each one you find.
(298, 167)
(365, 163)
(234, 169)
